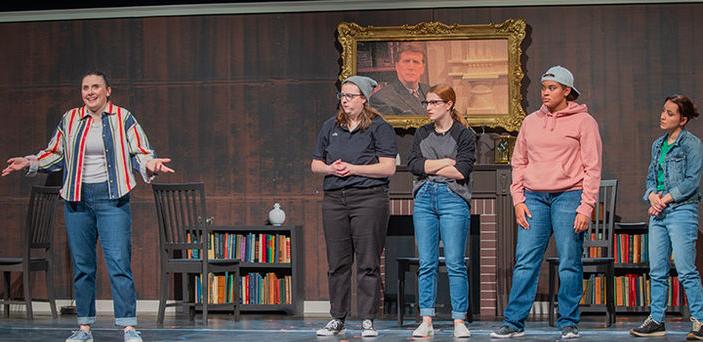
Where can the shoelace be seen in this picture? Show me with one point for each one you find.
(696, 324)
(133, 333)
(647, 322)
(333, 325)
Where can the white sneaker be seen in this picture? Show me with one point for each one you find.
(367, 329)
(424, 330)
(461, 331)
(333, 328)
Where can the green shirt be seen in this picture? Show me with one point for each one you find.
(666, 147)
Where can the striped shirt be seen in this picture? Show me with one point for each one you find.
(126, 148)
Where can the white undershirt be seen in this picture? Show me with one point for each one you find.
(95, 165)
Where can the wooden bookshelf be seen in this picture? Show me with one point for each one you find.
(636, 263)
(260, 253)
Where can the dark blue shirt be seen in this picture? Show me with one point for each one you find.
(360, 147)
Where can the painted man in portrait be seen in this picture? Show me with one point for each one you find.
(403, 95)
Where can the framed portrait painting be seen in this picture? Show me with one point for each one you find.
(481, 63)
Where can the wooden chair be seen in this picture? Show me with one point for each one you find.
(599, 240)
(39, 233)
(183, 242)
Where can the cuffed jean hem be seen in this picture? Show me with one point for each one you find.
(458, 315)
(427, 312)
(86, 320)
(514, 326)
(126, 321)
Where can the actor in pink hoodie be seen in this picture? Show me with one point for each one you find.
(556, 177)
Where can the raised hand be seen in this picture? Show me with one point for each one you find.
(156, 166)
(15, 164)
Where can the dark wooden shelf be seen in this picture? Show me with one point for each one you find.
(600, 308)
(633, 227)
(265, 265)
(640, 266)
(294, 268)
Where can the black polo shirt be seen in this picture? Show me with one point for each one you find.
(360, 147)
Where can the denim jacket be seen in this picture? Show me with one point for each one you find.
(682, 169)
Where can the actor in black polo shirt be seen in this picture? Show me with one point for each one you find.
(356, 152)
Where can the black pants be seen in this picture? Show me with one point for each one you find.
(355, 223)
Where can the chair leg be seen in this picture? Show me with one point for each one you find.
(189, 283)
(418, 318)
(7, 277)
(552, 280)
(400, 295)
(610, 294)
(206, 297)
(469, 313)
(27, 293)
(50, 291)
(163, 296)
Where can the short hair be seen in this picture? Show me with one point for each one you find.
(686, 107)
(97, 73)
(410, 47)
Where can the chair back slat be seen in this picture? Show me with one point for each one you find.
(180, 211)
(40, 217)
(599, 236)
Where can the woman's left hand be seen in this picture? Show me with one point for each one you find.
(343, 169)
(156, 166)
(581, 223)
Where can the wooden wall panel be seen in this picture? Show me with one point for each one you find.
(236, 101)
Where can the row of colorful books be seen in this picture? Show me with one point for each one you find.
(256, 288)
(631, 248)
(266, 289)
(251, 247)
(630, 290)
(220, 288)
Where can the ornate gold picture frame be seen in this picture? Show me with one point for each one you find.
(481, 63)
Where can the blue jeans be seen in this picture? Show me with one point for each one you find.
(440, 213)
(552, 213)
(98, 217)
(677, 227)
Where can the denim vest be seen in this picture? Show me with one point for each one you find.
(682, 169)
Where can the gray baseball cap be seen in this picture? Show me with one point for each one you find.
(365, 84)
(563, 76)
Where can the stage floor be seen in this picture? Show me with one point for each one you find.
(282, 329)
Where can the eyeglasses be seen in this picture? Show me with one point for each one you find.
(347, 96)
(432, 102)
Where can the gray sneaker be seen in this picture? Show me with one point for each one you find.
(461, 331)
(423, 330)
(367, 329)
(570, 332)
(80, 336)
(132, 336)
(333, 328)
(507, 331)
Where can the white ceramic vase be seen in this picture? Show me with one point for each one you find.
(277, 216)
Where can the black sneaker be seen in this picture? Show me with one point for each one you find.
(649, 328)
(367, 329)
(507, 331)
(570, 332)
(696, 330)
(333, 328)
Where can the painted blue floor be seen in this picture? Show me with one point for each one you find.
(284, 329)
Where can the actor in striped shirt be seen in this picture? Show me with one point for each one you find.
(97, 146)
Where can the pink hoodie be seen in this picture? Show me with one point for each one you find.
(558, 152)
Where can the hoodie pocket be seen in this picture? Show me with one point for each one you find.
(539, 174)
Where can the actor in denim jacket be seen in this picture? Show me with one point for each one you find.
(673, 182)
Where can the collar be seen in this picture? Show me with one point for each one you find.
(110, 109)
